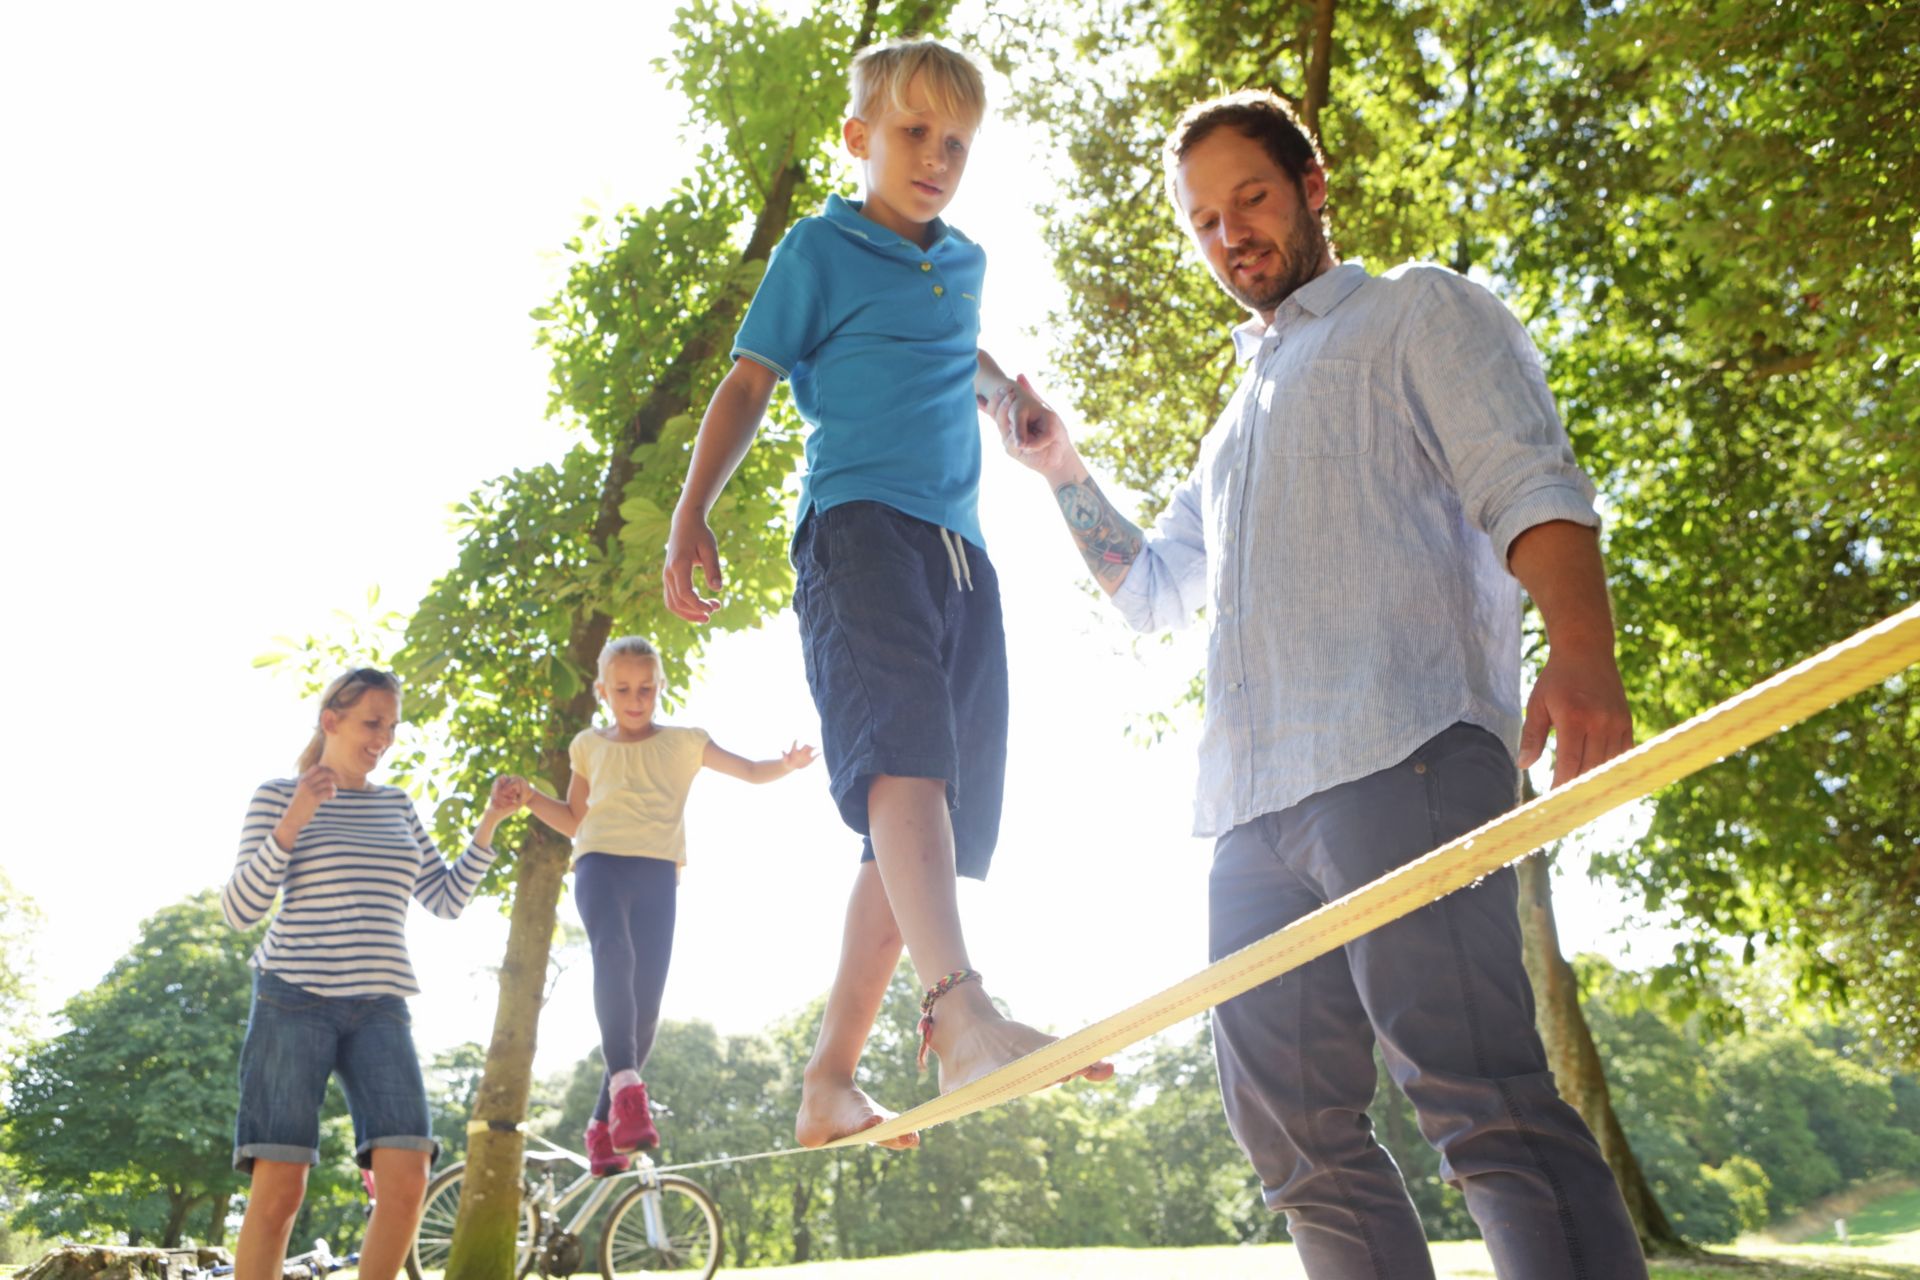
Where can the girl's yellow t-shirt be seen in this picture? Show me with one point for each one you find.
(637, 792)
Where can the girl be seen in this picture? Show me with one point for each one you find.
(625, 812)
(331, 979)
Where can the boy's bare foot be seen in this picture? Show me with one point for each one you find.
(972, 1038)
(832, 1109)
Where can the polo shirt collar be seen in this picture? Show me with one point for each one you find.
(845, 215)
(1317, 296)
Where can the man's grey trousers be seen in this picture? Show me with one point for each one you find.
(1444, 993)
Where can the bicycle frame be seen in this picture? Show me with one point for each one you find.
(551, 1203)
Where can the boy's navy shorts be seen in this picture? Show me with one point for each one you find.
(907, 664)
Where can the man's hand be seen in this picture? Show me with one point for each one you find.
(691, 544)
(1030, 431)
(1580, 698)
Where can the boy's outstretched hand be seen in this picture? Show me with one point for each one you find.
(797, 756)
(1030, 431)
(690, 544)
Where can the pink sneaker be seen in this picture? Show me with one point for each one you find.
(602, 1159)
(632, 1125)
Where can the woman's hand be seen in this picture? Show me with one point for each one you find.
(310, 790)
(509, 795)
(313, 788)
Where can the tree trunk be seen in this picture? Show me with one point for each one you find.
(217, 1220)
(1575, 1059)
(489, 1216)
(802, 1233)
(179, 1204)
(1319, 49)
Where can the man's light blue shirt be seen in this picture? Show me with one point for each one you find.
(880, 339)
(1346, 530)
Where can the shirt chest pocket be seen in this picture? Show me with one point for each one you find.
(1324, 411)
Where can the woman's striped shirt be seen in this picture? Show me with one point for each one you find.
(341, 927)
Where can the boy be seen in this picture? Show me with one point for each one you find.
(872, 309)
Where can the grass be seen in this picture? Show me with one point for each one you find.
(1891, 1221)
(1456, 1261)
(1884, 1244)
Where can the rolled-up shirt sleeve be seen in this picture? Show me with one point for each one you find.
(1168, 581)
(1483, 412)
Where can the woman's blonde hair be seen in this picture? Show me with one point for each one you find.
(629, 647)
(346, 690)
(881, 73)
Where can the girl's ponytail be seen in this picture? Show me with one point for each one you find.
(338, 696)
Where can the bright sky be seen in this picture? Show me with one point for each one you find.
(264, 283)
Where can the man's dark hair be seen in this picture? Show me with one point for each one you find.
(1260, 114)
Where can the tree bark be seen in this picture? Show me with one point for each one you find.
(1575, 1059)
(179, 1204)
(217, 1221)
(1319, 65)
(489, 1216)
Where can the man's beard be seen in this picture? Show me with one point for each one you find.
(1296, 262)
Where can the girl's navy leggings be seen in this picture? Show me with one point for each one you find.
(627, 906)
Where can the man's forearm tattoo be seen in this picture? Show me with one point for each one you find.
(1108, 541)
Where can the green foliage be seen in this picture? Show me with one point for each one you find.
(553, 558)
(453, 1081)
(20, 922)
(1707, 219)
(147, 1057)
(1735, 1130)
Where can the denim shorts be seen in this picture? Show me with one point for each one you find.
(295, 1040)
(907, 662)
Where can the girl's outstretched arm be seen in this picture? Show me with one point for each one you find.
(718, 758)
(562, 817)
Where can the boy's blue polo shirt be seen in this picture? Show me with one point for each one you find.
(879, 338)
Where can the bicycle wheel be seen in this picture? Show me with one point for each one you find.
(434, 1238)
(685, 1240)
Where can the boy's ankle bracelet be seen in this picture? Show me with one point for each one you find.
(927, 1002)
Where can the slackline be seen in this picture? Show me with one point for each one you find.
(1873, 655)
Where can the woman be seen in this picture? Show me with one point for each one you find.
(332, 976)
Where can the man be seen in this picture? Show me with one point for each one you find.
(1389, 474)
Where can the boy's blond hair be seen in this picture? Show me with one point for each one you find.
(881, 73)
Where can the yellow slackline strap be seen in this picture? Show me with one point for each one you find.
(492, 1126)
(1874, 655)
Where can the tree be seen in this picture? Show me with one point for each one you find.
(1723, 255)
(19, 923)
(1737, 1126)
(125, 1119)
(551, 558)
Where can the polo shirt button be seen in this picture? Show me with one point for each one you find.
(937, 291)
(926, 266)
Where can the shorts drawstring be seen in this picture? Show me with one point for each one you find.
(956, 558)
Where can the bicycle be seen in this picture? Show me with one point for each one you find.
(314, 1264)
(658, 1224)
